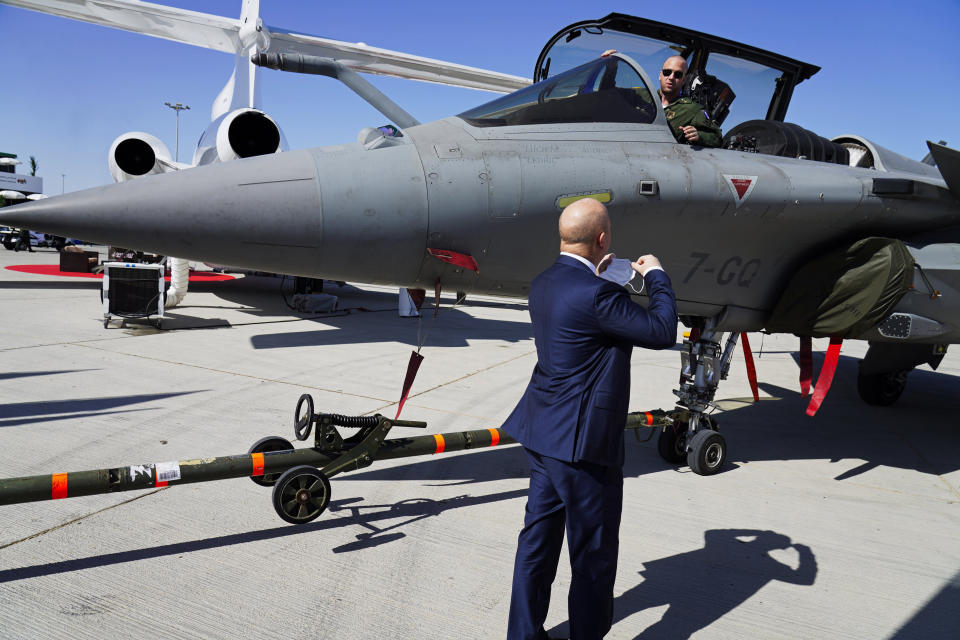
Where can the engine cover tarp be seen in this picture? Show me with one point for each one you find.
(845, 292)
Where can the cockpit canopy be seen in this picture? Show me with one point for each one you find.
(602, 90)
(733, 81)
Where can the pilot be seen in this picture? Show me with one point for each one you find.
(688, 120)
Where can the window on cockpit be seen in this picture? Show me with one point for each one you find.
(754, 84)
(603, 90)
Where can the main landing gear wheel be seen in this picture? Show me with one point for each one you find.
(672, 443)
(263, 445)
(708, 450)
(881, 389)
(301, 494)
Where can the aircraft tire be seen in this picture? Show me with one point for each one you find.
(708, 452)
(881, 389)
(301, 494)
(671, 443)
(263, 445)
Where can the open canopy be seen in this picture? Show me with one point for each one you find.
(725, 76)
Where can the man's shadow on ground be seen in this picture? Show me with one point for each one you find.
(702, 586)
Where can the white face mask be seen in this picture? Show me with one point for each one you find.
(620, 271)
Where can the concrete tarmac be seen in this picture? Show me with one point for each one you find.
(846, 525)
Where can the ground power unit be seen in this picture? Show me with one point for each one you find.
(133, 290)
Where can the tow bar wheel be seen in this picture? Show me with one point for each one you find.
(263, 445)
(708, 451)
(301, 494)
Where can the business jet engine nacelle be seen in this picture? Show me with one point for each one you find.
(137, 154)
(242, 133)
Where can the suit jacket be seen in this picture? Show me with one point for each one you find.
(585, 328)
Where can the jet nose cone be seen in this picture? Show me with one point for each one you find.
(260, 212)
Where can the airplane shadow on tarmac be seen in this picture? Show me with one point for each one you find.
(703, 585)
(410, 510)
(452, 328)
(20, 413)
(912, 434)
(30, 374)
(915, 433)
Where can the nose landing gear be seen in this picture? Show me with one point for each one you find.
(694, 435)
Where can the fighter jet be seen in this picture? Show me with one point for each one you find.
(239, 127)
(780, 229)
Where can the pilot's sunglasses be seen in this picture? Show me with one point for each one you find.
(676, 72)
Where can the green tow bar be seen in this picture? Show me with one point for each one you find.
(300, 477)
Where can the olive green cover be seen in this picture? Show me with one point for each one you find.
(845, 292)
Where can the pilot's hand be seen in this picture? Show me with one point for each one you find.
(690, 133)
(605, 262)
(645, 264)
(607, 53)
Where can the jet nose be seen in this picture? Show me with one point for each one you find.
(261, 213)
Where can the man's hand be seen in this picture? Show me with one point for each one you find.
(608, 52)
(605, 262)
(690, 133)
(645, 263)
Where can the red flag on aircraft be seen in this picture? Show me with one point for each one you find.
(459, 259)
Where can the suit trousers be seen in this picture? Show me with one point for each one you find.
(586, 499)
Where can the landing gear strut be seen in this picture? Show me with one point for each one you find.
(694, 435)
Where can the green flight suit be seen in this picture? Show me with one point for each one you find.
(684, 112)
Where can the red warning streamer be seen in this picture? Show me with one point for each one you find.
(751, 369)
(825, 379)
(412, 367)
(806, 365)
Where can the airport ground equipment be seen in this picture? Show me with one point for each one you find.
(300, 477)
(133, 290)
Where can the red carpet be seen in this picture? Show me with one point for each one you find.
(54, 270)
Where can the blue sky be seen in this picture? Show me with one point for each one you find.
(888, 70)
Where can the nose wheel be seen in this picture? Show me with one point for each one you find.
(672, 442)
(707, 452)
(704, 450)
(301, 494)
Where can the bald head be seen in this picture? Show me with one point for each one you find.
(585, 229)
(676, 62)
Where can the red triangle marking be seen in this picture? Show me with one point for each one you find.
(741, 185)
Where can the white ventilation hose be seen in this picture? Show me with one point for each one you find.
(179, 280)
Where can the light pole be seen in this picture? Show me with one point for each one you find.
(178, 108)
(63, 178)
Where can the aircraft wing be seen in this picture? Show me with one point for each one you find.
(384, 62)
(169, 23)
(223, 34)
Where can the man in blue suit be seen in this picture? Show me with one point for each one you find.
(571, 421)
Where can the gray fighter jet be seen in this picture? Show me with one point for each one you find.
(780, 229)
